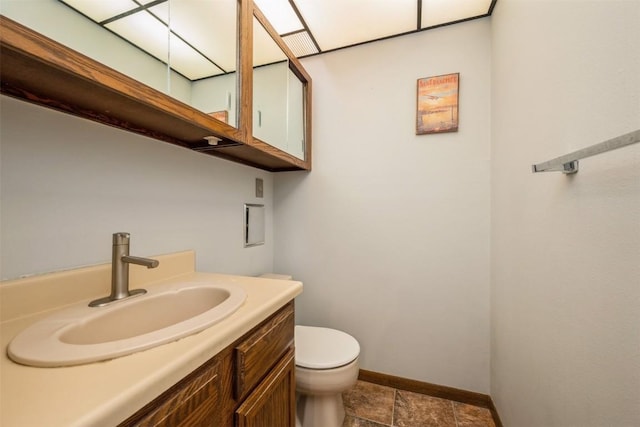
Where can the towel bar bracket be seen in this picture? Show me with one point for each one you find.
(571, 167)
(566, 168)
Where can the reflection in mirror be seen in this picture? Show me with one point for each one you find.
(204, 48)
(278, 96)
(184, 48)
(269, 88)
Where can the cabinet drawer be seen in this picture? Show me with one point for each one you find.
(257, 354)
(192, 402)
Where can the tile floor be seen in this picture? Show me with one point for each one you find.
(373, 405)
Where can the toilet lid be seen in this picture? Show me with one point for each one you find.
(324, 348)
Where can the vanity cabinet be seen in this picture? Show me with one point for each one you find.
(272, 403)
(194, 401)
(250, 383)
(40, 70)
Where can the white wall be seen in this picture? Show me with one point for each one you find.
(565, 249)
(390, 232)
(67, 184)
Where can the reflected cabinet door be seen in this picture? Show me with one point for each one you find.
(272, 403)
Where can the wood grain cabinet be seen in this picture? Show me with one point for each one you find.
(194, 401)
(251, 383)
(272, 403)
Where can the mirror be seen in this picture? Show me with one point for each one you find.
(207, 53)
(184, 48)
(278, 96)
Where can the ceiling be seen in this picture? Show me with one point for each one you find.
(198, 37)
(311, 26)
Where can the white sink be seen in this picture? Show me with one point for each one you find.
(81, 334)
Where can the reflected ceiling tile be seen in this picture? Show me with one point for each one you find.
(144, 31)
(160, 11)
(280, 14)
(300, 44)
(265, 49)
(189, 62)
(337, 23)
(209, 26)
(437, 12)
(101, 10)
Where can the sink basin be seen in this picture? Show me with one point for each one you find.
(80, 334)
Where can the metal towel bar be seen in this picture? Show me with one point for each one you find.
(569, 162)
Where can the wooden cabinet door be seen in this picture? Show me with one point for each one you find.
(272, 403)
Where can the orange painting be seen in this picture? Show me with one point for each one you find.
(437, 109)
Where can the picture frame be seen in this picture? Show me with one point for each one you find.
(437, 104)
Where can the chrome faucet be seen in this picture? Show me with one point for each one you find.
(120, 271)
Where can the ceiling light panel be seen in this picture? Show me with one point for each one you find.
(338, 23)
(438, 12)
(101, 10)
(280, 15)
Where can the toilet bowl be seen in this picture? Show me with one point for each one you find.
(326, 366)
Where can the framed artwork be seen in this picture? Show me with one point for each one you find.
(223, 116)
(437, 104)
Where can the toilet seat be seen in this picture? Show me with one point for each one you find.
(324, 348)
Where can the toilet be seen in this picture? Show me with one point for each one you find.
(326, 366)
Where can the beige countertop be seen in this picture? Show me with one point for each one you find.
(106, 393)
